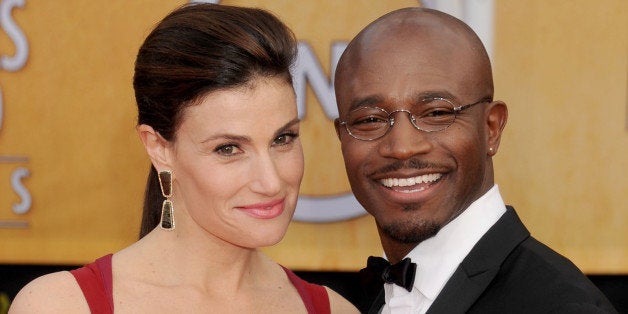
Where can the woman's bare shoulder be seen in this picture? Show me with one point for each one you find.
(52, 293)
(339, 304)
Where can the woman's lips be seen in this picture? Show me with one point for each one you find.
(266, 210)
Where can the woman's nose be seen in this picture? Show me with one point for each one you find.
(265, 178)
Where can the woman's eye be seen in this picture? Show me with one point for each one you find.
(285, 139)
(228, 150)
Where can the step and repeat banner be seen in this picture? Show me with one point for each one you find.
(73, 171)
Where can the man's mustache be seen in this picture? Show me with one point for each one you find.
(413, 163)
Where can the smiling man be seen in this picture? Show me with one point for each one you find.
(418, 128)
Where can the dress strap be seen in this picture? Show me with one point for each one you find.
(96, 282)
(314, 296)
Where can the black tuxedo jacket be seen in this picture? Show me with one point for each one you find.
(508, 271)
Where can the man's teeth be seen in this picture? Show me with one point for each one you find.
(426, 178)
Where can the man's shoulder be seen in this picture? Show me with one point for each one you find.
(533, 254)
(523, 255)
(537, 277)
(531, 277)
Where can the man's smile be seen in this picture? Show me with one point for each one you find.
(411, 184)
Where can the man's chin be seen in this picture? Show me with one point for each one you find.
(411, 232)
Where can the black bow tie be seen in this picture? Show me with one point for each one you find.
(379, 271)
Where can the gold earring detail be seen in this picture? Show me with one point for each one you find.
(167, 210)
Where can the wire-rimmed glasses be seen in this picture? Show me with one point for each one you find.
(432, 115)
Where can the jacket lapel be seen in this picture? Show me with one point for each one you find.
(479, 268)
(377, 305)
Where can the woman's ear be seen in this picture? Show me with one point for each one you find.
(495, 121)
(156, 147)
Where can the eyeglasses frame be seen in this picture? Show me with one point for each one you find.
(391, 119)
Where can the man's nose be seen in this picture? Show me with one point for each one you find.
(403, 140)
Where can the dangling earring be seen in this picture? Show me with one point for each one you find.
(167, 211)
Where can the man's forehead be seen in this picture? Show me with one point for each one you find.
(414, 45)
(395, 59)
(396, 43)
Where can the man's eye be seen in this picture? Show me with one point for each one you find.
(369, 119)
(438, 112)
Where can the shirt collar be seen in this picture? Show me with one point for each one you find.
(438, 257)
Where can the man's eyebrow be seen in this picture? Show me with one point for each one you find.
(434, 94)
(374, 100)
(367, 101)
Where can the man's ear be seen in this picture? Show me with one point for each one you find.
(156, 146)
(495, 121)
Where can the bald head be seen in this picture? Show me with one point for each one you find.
(414, 37)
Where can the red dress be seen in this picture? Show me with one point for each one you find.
(95, 280)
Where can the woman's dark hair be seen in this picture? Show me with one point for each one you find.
(197, 49)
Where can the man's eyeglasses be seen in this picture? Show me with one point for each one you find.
(432, 115)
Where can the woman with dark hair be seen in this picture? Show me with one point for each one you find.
(217, 116)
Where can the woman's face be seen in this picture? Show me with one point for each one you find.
(237, 163)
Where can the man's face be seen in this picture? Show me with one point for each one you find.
(414, 182)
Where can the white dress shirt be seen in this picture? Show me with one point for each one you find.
(438, 257)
